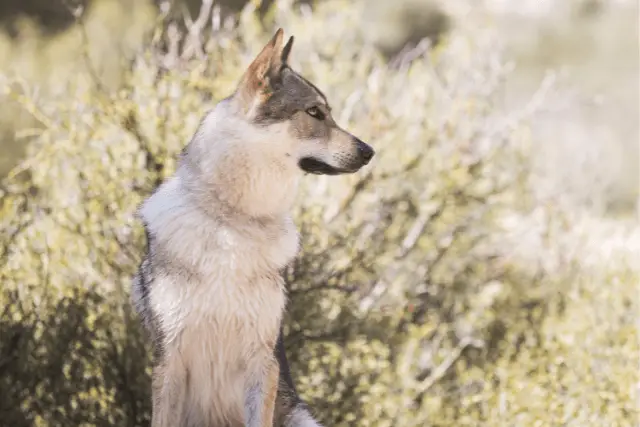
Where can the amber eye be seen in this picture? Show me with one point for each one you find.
(315, 113)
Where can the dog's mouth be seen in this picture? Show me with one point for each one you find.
(317, 167)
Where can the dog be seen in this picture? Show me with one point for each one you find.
(219, 233)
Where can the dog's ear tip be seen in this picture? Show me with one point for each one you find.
(287, 49)
(279, 34)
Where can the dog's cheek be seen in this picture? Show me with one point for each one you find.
(306, 148)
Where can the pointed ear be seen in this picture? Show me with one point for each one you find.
(286, 50)
(267, 60)
(266, 65)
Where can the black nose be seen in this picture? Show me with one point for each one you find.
(365, 151)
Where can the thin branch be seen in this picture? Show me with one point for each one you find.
(322, 287)
(194, 45)
(78, 12)
(441, 370)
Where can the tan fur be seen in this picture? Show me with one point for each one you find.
(254, 82)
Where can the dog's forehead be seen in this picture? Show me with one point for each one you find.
(293, 93)
(295, 88)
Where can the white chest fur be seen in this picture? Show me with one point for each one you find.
(217, 294)
(220, 269)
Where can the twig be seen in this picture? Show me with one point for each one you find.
(193, 45)
(409, 54)
(440, 371)
(77, 13)
(321, 287)
(534, 105)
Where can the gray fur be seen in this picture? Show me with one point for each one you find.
(290, 94)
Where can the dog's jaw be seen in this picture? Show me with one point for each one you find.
(317, 167)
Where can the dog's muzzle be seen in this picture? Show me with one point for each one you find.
(364, 154)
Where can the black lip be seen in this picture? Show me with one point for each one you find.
(317, 167)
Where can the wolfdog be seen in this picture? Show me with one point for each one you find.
(219, 232)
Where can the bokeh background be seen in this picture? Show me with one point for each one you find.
(484, 270)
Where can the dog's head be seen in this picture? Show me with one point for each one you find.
(281, 102)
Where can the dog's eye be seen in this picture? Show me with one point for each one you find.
(315, 113)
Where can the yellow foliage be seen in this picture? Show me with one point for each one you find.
(411, 303)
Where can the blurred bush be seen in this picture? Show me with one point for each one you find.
(433, 288)
(46, 56)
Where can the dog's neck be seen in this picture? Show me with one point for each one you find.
(232, 168)
(189, 233)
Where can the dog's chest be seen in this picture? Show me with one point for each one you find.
(231, 307)
(224, 333)
(220, 300)
(237, 284)
(227, 280)
(225, 343)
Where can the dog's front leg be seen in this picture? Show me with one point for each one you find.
(169, 394)
(291, 411)
(261, 395)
